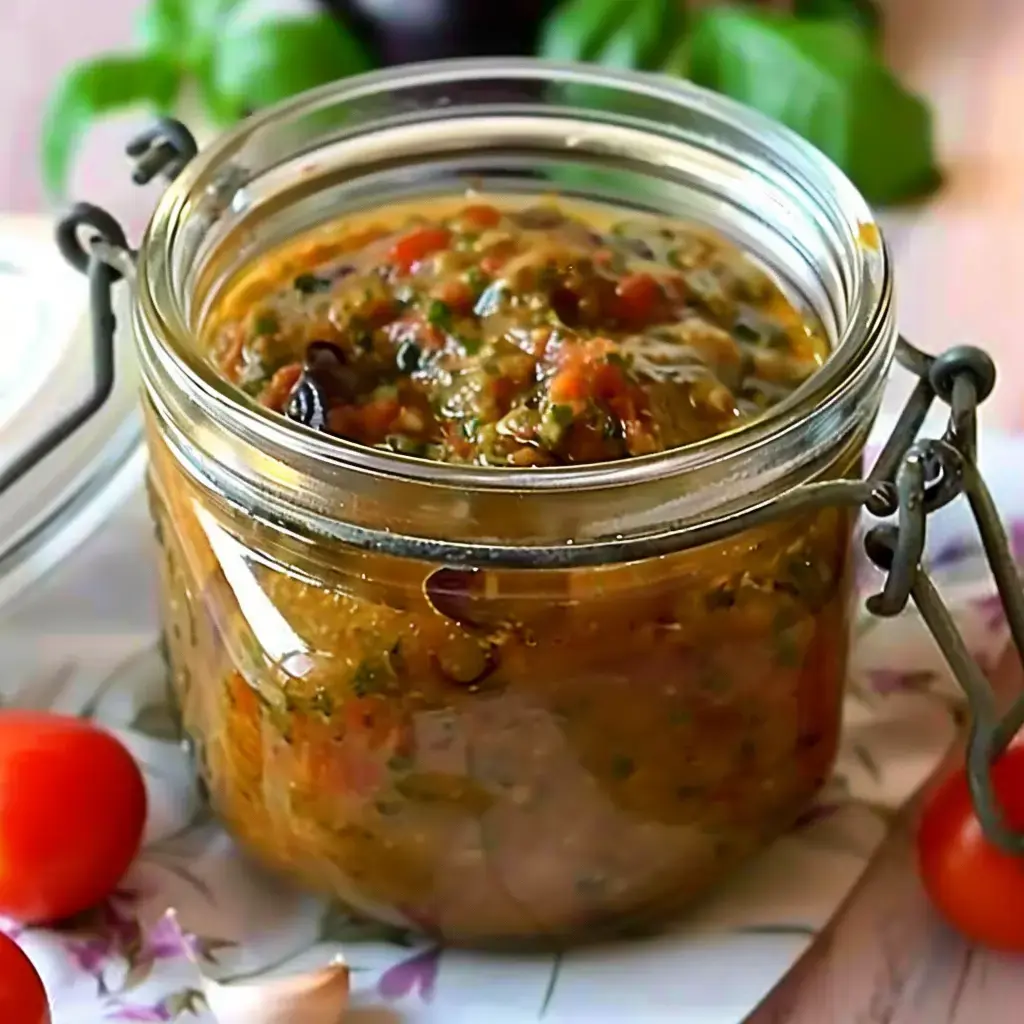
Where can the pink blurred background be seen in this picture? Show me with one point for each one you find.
(958, 257)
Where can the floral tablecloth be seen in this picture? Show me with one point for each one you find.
(84, 641)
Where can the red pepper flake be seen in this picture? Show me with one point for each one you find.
(417, 245)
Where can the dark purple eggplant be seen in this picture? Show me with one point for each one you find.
(402, 31)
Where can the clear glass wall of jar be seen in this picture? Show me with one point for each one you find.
(507, 706)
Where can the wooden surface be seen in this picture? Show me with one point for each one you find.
(887, 958)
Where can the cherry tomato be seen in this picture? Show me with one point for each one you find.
(72, 809)
(418, 245)
(22, 997)
(978, 888)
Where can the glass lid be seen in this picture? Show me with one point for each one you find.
(46, 372)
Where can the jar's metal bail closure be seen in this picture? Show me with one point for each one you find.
(104, 256)
(911, 479)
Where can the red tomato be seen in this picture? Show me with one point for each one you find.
(639, 296)
(418, 245)
(977, 888)
(72, 809)
(22, 997)
(481, 216)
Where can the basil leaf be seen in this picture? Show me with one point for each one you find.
(164, 27)
(578, 30)
(678, 60)
(644, 38)
(256, 64)
(863, 13)
(98, 87)
(637, 34)
(823, 80)
(183, 30)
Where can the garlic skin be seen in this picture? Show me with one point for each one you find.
(314, 997)
(318, 996)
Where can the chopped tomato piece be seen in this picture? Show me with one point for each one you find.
(371, 718)
(608, 381)
(456, 294)
(280, 386)
(417, 245)
(331, 763)
(377, 417)
(639, 296)
(480, 215)
(369, 423)
(231, 346)
(569, 386)
(496, 257)
(456, 440)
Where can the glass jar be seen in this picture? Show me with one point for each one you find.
(508, 706)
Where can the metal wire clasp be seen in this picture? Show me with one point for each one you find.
(914, 478)
(94, 243)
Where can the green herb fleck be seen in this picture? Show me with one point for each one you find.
(439, 315)
(786, 650)
(471, 346)
(622, 767)
(266, 323)
(310, 284)
(476, 279)
(562, 415)
(400, 763)
(404, 445)
(371, 677)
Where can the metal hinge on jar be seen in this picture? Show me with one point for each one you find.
(94, 243)
(911, 479)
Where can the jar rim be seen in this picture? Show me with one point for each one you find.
(795, 170)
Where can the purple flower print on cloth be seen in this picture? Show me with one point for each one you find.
(887, 682)
(170, 1008)
(415, 976)
(104, 936)
(990, 608)
(166, 941)
(157, 1012)
(93, 956)
(952, 553)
